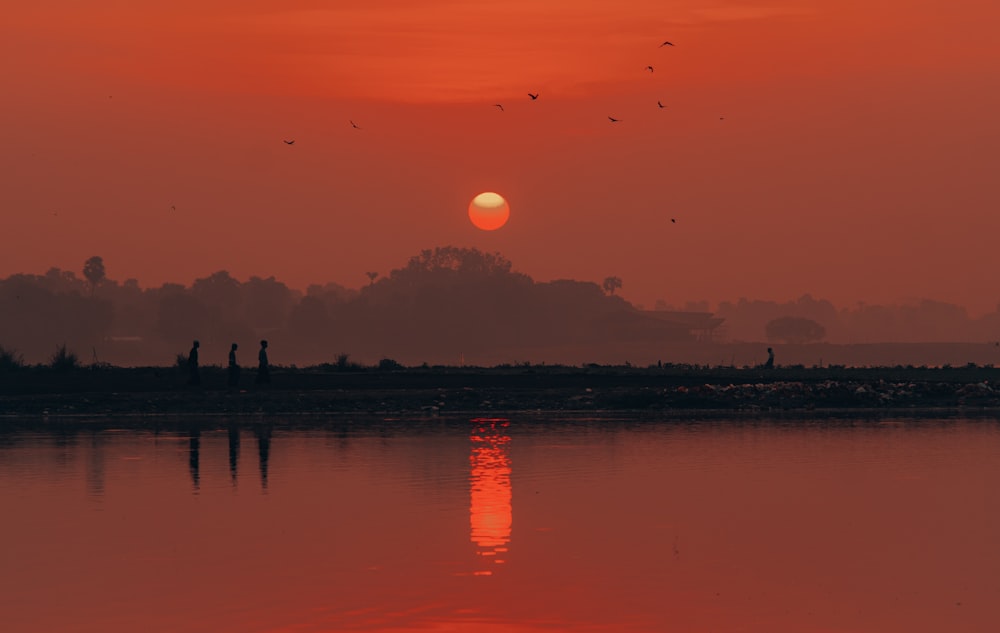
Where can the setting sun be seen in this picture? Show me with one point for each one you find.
(489, 211)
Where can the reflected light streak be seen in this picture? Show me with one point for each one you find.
(490, 511)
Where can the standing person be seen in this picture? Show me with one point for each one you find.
(263, 369)
(195, 378)
(770, 359)
(234, 368)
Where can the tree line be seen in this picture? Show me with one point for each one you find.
(445, 305)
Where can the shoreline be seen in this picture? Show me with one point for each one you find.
(665, 392)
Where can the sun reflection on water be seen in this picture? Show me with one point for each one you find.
(490, 513)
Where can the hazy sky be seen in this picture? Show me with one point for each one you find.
(857, 158)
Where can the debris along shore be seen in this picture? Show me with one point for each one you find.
(444, 390)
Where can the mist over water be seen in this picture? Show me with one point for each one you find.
(520, 524)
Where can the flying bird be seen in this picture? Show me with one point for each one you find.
(649, 68)
(660, 103)
(497, 105)
(673, 220)
(533, 96)
(613, 119)
(666, 44)
(355, 125)
(291, 142)
(173, 207)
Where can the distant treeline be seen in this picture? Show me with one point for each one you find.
(447, 305)
(922, 321)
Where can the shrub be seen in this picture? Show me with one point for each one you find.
(63, 359)
(10, 359)
(388, 364)
(343, 363)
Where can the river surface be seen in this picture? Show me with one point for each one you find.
(501, 525)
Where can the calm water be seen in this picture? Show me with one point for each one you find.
(520, 525)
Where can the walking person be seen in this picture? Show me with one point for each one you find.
(234, 368)
(263, 368)
(195, 374)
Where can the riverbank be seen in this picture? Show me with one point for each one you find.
(669, 390)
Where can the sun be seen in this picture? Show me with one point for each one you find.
(489, 211)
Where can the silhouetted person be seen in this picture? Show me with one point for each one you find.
(770, 359)
(263, 369)
(195, 378)
(234, 368)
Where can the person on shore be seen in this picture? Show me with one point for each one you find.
(770, 359)
(263, 368)
(195, 374)
(234, 368)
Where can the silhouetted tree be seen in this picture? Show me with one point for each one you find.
(93, 271)
(746, 319)
(55, 280)
(10, 359)
(611, 284)
(794, 330)
(219, 290)
(63, 359)
(268, 302)
(468, 261)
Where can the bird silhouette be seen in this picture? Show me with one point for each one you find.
(291, 142)
(673, 220)
(613, 119)
(173, 207)
(355, 125)
(660, 103)
(649, 68)
(666, 44)
(533, 96)
(497, 105)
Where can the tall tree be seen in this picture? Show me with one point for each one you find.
(611, 284)
(93, 270)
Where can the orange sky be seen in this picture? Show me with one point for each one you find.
(856, 160)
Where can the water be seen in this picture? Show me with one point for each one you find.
(520, 525)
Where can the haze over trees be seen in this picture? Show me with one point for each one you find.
(796, 330)
(445, 305)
